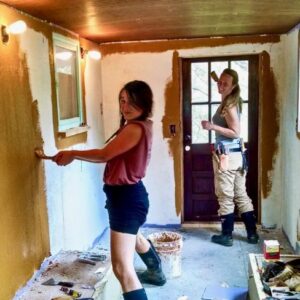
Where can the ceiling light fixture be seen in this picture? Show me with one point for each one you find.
(17, 27)
(94, 54)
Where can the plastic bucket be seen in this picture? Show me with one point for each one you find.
(168, 245)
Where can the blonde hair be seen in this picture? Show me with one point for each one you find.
(234, 98)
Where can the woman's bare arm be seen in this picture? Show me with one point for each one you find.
(123, 142)
(233, 122)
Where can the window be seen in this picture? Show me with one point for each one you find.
(205, 98)
(67, 82)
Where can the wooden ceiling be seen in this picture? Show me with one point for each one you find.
(104, 21)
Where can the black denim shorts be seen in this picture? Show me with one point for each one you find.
(127, 206)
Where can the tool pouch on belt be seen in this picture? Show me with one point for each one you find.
(223, 157)
(244, 155)
(224, 162)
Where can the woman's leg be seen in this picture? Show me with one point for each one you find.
(122, 254)
(245, 207)
(146, 251)
(224, 189)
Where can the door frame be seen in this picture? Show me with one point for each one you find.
(254, 68)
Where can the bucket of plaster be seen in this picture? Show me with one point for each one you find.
(168, 245)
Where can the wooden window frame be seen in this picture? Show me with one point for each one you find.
(71, 126)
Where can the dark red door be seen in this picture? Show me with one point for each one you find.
(200, 101)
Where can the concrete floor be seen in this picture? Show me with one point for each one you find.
(204, 263)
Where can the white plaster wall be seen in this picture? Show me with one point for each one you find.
(271, 208)
(156, 69)
(74, 194)
(289, 139)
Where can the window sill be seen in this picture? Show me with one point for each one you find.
(73, 131)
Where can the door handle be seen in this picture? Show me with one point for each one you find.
(187, 138)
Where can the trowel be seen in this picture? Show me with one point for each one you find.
(51, 281)
(40, 154)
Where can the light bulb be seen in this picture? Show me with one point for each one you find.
(94, 54)
(16, 27)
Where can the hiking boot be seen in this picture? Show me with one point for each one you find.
(222, 239)
(253, 238)
(155, 277)
(154, 274)
(250, 224)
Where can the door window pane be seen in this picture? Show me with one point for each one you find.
(199, 82)
(199, 113)
(218, 67)
(242, 69)
(244, 122)
(214, 108)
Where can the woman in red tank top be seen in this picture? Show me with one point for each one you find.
(127, 154)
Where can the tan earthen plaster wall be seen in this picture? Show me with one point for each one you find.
(269, 118)
(172, 116)
(23, 220)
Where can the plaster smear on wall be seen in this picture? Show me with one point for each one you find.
(36, 48)
(172, 117)
(74, 190)
(270, 121)
(23, 222)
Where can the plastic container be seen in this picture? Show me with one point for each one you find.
(168, 245)
(271, 250)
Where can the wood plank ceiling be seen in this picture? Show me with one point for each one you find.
(105, 21)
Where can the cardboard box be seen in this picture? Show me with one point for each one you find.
(271, 250)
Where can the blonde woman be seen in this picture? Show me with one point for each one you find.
(229, 161)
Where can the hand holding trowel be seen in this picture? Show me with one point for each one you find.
(39, 152)
(51, 281)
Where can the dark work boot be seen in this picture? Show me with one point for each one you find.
(250, 224)
(154, 274)
(135, 295)
(225, 239)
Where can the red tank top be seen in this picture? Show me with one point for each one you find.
(130, 167)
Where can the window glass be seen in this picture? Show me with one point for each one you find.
(218, 67)
(242, 69)
(199, 113)
(214, 108)
(244, 122)
(199, 82)
(67, 80)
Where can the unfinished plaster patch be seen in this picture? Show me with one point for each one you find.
(162, 46)
(23, 222)
(269, 123)
(172, 118)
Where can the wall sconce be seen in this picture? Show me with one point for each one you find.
(14, 28)
(94, 54)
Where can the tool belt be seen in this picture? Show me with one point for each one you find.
(222, 154)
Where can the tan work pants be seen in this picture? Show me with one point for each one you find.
(230, 186)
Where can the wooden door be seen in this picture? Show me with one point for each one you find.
(200, 101)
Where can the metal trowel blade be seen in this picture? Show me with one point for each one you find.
(51, 281)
